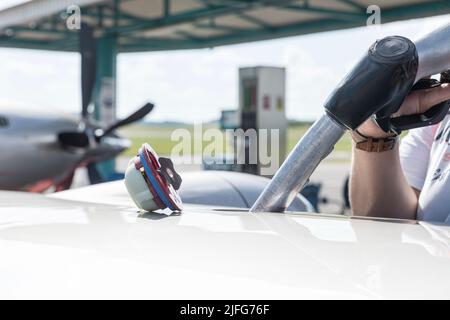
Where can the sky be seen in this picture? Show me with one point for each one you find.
(195, 85)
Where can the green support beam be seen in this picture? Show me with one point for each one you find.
(166, 10)
(213, 26)
(105, 91)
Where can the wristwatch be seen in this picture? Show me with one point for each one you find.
(370, 144)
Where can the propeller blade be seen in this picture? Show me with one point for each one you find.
(88, 66)
(73, 139)
(136, 116)
(95, 177)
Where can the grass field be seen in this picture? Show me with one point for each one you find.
(160, 138)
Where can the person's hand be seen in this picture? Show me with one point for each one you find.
(415, 103)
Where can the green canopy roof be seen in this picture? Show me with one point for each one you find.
(150, 25)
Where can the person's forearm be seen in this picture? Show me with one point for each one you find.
(378, 186)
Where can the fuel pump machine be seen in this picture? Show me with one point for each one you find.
(261, 106)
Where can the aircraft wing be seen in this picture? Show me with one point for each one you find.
(59, 246)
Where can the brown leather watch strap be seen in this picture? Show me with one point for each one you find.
(369, 144)
(377, 145)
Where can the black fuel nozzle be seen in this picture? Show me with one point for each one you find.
(432, 116)
(445, 77)
(377, 86)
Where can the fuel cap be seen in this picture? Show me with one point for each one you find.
(152, 181)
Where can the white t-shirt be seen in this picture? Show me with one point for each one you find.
(425, 159)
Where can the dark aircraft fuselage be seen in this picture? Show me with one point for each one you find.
(30, 150)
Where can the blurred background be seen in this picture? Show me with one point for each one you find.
(188, 57)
